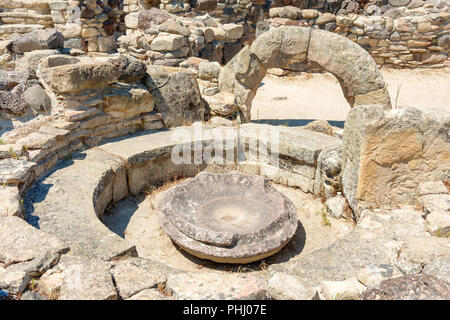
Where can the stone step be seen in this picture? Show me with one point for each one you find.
(6, 29)
(24, 15)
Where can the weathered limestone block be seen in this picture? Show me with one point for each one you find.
(32, 59)
(222, 103)
(9, 201)
(387, 154)
(38, 40)
(77, 278)
(336, 206)
(147, 17)
(320, 126)
(174, 27)
(169, 42)
(373, 275)
(13, 171)
(77, 75)
(14, 282)
(208, 70)
(37, 99)
(206, 4)
(410, 287)
(214, 286)
(10, 150)
(432, 187)
(37, 266)
(439, 268)
(127, 101)
(21, 242)
(233, 31)
(136, 274)
(283, 286)
(176, 93)
(342, 290)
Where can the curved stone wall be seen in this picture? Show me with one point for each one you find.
(108, 173)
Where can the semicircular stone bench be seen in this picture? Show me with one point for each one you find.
(68, 201)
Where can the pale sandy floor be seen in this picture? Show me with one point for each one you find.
(319, 96)
(136, 221)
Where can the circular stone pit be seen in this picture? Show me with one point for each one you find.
(228, 218)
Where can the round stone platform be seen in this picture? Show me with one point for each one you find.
(228, 218)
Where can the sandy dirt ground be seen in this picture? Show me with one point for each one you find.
(319, 96)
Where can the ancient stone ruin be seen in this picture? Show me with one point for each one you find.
(131, 166)
(252, 222)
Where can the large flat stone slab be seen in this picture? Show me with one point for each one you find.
(21, 242)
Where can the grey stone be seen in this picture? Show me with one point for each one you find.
(14, 282)
(222, 103)
(336, 206)
(399, 3)
(347, 61)
(83, 279)
(410, 287)
(376, 240)
(439, 268)
(283, 286)
(215, 286)
(208, 70)
(37, 40)
(32, 59)
(36, 98)
(175, 27)
(177, 95)
(432, 187)
(444, 41)
(31, 295)
(133, 275)
(149, 294)
(147, 17)
(342, 290)
(21, 242)
(37, 266)
(373, 275)
(130, 69)
(13, 171)
(10, 201)
(12, 103)
(373, 167)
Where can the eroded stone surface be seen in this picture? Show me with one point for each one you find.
(200, 286)
(252, 221)
(21, 242)
(411, 287)
(134, 275)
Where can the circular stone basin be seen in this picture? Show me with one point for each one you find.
(228, 218)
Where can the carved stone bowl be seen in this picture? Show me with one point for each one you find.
(227, 218)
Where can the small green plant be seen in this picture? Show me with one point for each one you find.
(1, 141)
(441, 234)
(13, 154)
(325, 221)
(22, 206)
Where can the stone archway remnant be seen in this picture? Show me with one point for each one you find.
(357, 73)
